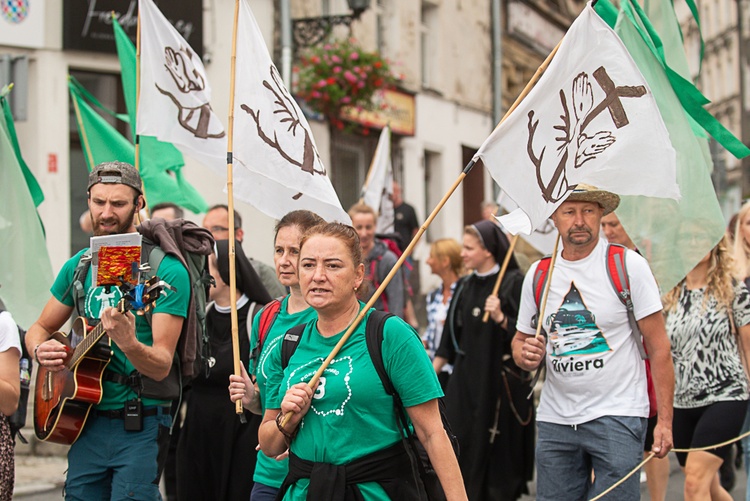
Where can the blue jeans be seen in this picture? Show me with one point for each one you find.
(565, 455)
(107, 462)
(746, 448)
(262, 492)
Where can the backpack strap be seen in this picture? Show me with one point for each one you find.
(374, 338)
(618, 277)
(540, 279)
(541, 274)
(267, 317)
(77, 286)
(374, 270)
(290, 343)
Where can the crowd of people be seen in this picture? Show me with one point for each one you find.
(629, 373)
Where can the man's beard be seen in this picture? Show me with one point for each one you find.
(580, 239)
(121, 228)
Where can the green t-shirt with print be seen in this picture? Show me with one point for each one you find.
(97, 298)
(269, 471)
(351, 415)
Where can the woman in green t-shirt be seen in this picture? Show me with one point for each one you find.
(293, 310)
(343, 436)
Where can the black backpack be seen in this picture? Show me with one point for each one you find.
(18, 419)
(421, 464)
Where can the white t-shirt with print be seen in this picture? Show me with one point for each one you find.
(9, 333)
(594, 368)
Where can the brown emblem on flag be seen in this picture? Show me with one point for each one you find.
(288, 114)
(187, 79)
(574, 141)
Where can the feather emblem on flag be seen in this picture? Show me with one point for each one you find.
(277, 165)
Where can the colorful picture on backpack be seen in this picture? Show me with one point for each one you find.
(118, 265)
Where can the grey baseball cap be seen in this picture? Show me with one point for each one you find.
(115, 173)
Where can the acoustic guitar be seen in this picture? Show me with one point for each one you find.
(63, 399)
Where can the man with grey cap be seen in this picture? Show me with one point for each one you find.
(594, 403)
(114, 456)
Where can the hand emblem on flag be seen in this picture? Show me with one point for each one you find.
(575, 139)
(591, 119)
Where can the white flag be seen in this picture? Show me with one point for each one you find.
(174, 104)
(542, 238)
(591, 119)
(276, 162)
(378, 188)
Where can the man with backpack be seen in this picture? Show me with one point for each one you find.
(594, 405)
(115, 455)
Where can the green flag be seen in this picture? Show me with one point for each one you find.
(156, 158)
(31, 182)
(103, 143)
(673, 236)
(25, 269)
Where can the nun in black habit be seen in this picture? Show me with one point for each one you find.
(485, 399)
(216, 452)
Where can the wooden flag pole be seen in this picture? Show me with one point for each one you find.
(543, 303)
(533, 80)
(500, 275)
(415, 240)
(137, 99)
(230, 210)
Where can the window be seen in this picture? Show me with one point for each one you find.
(108, 89)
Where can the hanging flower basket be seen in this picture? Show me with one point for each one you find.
(338, 74)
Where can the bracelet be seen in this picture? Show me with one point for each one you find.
(288, 436)
(36, 357)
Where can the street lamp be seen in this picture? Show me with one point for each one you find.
(310, 31)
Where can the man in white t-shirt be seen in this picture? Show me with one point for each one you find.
(594, 404)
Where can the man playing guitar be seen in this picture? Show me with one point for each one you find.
(115, 455)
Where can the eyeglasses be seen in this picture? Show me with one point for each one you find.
(217, 229)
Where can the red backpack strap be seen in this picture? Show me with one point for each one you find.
(374, 264)
(267, 317)
(540, 279)
(618, 277)
(618, 273)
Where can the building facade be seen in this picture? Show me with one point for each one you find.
(442, 49)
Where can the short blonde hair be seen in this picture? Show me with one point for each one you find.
(362, 208)
(448, 247)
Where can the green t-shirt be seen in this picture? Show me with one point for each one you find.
(97, 298)
(352, 415)
(268, 471)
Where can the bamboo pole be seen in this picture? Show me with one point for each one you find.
(500, 275)
(415, 240)
(543, 303)
(230, 211)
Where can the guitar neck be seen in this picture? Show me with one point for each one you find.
(93, 337)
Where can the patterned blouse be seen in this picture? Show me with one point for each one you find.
(707, 362)
(437, 311)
